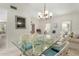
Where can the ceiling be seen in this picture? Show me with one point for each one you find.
(56, 8)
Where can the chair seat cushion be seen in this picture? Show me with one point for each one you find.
(49, 52)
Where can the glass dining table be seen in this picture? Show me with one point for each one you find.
(38, 45)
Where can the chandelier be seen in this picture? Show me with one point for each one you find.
(45, 14)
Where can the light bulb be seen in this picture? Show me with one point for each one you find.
(41, 16)
(46, 17)
(39, 13)
(46, 12)
(50, 14)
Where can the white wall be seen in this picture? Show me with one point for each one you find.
(73, 17)
(13, 33)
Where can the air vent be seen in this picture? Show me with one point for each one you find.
(13, 7)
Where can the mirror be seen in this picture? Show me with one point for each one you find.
(66, 27)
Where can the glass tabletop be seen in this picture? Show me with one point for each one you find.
(40, 43)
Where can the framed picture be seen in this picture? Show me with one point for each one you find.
(20, 22)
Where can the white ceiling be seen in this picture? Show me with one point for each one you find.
(56, 8)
